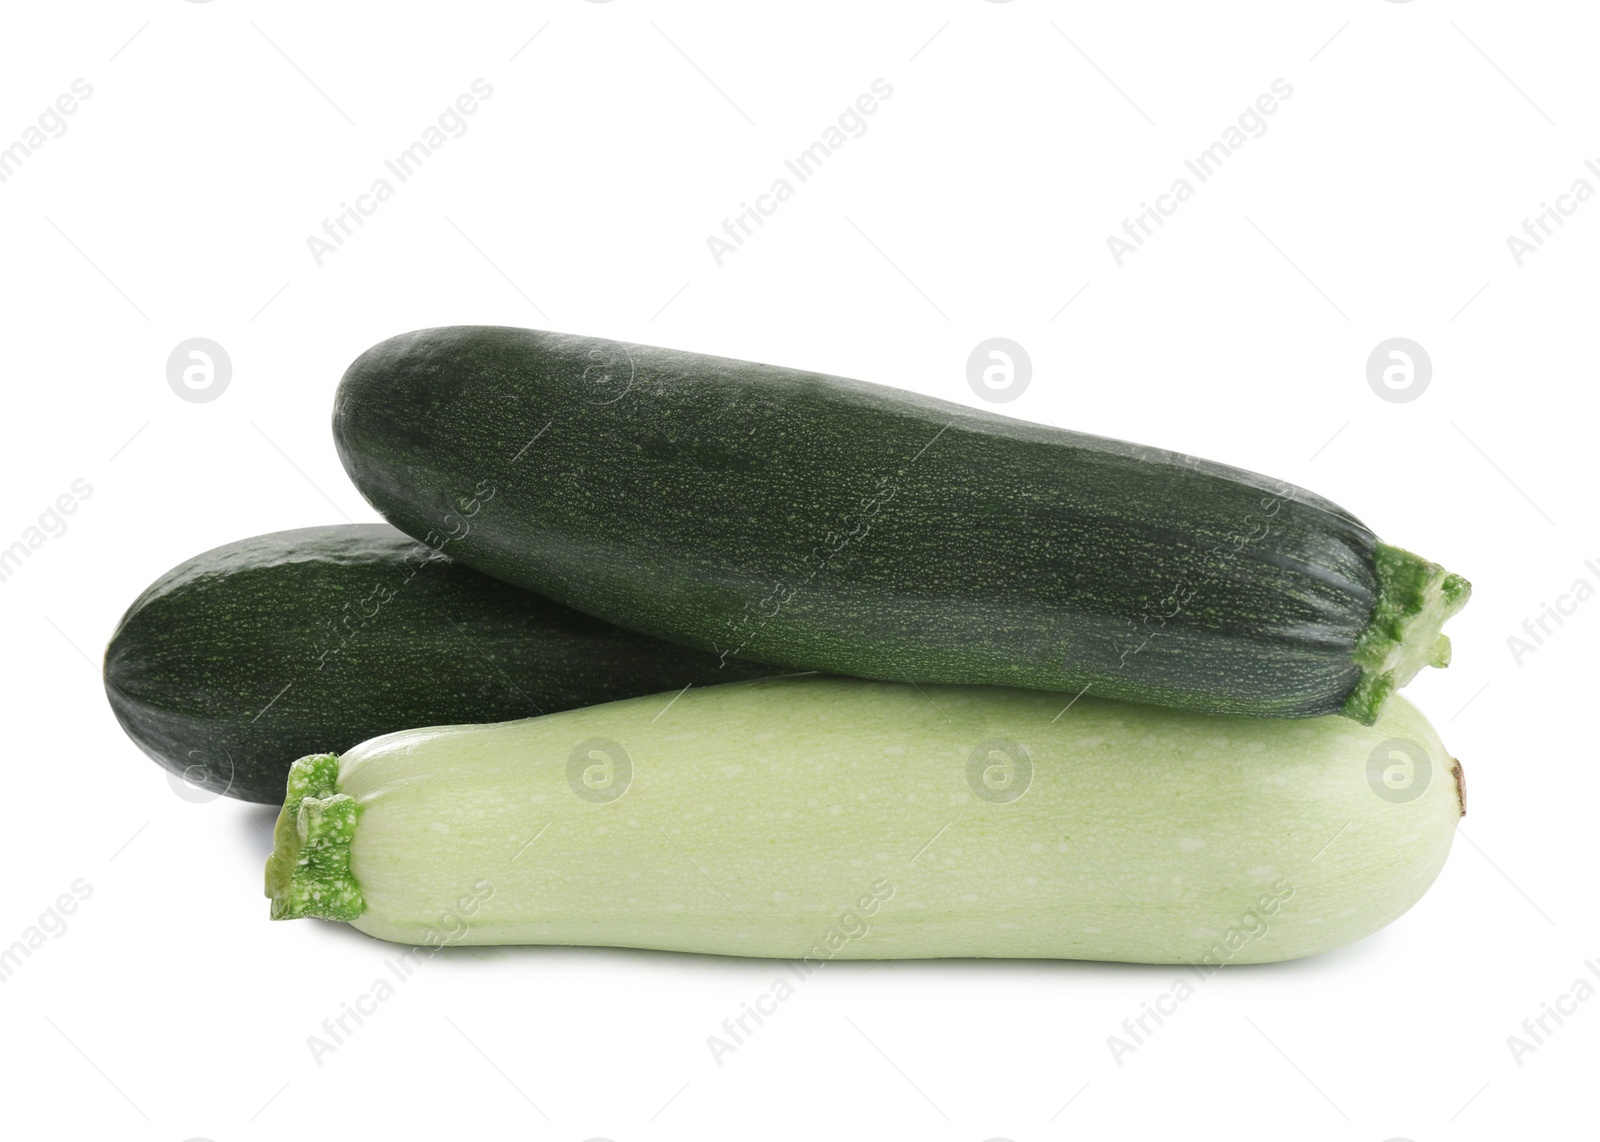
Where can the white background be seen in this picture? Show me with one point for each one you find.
(1377, 204)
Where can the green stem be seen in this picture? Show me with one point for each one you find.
(308, 873)
(1415, 598)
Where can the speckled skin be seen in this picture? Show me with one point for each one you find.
(193, 667)
(822, 523)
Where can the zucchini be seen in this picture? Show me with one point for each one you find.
(813, 816)
(235, 663)
(819, 523)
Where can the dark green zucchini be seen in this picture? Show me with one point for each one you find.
(822, 523)
(237, 662)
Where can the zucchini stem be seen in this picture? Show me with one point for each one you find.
(1415, 598)
(308, 873)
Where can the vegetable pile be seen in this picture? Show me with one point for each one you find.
(1076, 698)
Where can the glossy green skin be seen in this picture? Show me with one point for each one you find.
(357, 630)
(823, 523)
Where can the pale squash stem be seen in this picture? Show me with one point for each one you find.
(308, 873)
